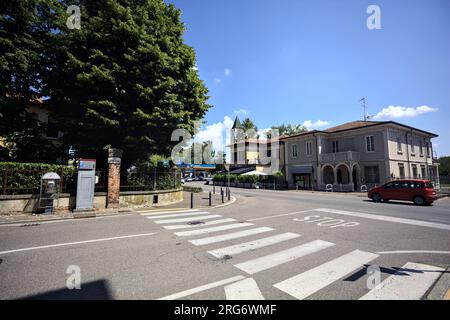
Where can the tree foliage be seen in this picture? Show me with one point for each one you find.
(124, 79)
(289, 129)
(444, 165)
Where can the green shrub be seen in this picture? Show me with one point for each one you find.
(192, 189)
(24, 178)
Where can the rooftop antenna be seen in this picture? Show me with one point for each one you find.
(363, 100)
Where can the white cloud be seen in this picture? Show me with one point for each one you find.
(217, 80)
(227, 72)
(403, 112)
(218, 133)
(315, 124)
(241, 112)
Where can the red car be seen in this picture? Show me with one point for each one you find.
(421, 192)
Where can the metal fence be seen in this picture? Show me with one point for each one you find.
(150, 180)
(28, 181)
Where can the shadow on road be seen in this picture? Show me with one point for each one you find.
(95, 290)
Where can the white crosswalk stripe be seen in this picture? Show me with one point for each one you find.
(212, 230)
(154, 212)
(187, 219)
(252, 245)
(411, 282)
(191, 226)
(229, 236)
(246, 289)
(281, 257)
(178, 215)
(309, 282)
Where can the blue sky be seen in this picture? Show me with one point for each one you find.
(311, 61)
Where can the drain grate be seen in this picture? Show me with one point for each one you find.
(194, 223)
(30, 225)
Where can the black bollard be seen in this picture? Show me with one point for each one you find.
(221, 192)
(229, 194)
(192, 200)
(210, 198)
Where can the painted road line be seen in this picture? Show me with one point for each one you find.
(280, 215)
(213, 229)
(177, 215)
(154, 212)
(281, 257)
(229, 236)
(207, 223)
(419, 223)
(246, 289)
(414, 251)
(205, 287)
(75, 243)
(307, 283)
(411, 282)
(252, 245)
(188, 219)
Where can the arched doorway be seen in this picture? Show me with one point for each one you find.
(328, 174)
(342, 174)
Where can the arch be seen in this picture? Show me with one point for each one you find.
(328, 174)
(343, 173)
(356, 176)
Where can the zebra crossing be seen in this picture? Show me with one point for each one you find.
(412, 281)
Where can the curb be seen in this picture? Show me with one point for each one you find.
(80, 217)
(441, 288)
(233, 200)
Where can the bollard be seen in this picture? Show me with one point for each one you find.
(210, 198)
(221, 192)
(192, 200)
(229, 194)
(214, 189)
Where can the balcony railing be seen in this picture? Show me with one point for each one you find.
(339, 156)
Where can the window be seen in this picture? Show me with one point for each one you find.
(421, 148)
(413, 148)
(423, 171)
(427, 144)
(370, 144)
(401, 170)
(414, 171)
(294, 151)
(335, 146)
(308, 148)
(372, 174)
(399, 145)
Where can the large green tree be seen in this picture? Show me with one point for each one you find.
(444, 165)
(125, 79)
(289, 129)
(25, 36)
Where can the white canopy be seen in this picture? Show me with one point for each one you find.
(254, 173)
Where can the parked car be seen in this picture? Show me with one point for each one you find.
(421, 192)
(188, 179)
(208, 180)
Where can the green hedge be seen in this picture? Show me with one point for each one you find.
(192, 189)
(247, 178)
(24, 178)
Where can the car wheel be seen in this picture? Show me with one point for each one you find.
(376, 197)
(419, 201)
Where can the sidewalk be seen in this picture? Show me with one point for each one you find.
(201, 200)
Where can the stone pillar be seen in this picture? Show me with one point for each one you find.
(114, 160)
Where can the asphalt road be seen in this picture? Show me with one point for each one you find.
(279, 245)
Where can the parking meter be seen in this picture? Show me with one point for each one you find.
(85, 185)
(49, 192)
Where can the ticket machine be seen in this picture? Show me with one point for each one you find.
(85, 185)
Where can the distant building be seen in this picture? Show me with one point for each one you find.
(359, 153)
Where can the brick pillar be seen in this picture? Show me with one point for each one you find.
(114, 160)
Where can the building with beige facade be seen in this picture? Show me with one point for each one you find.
(358, 154)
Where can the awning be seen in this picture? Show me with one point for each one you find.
(301, 169)
(255, 173)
